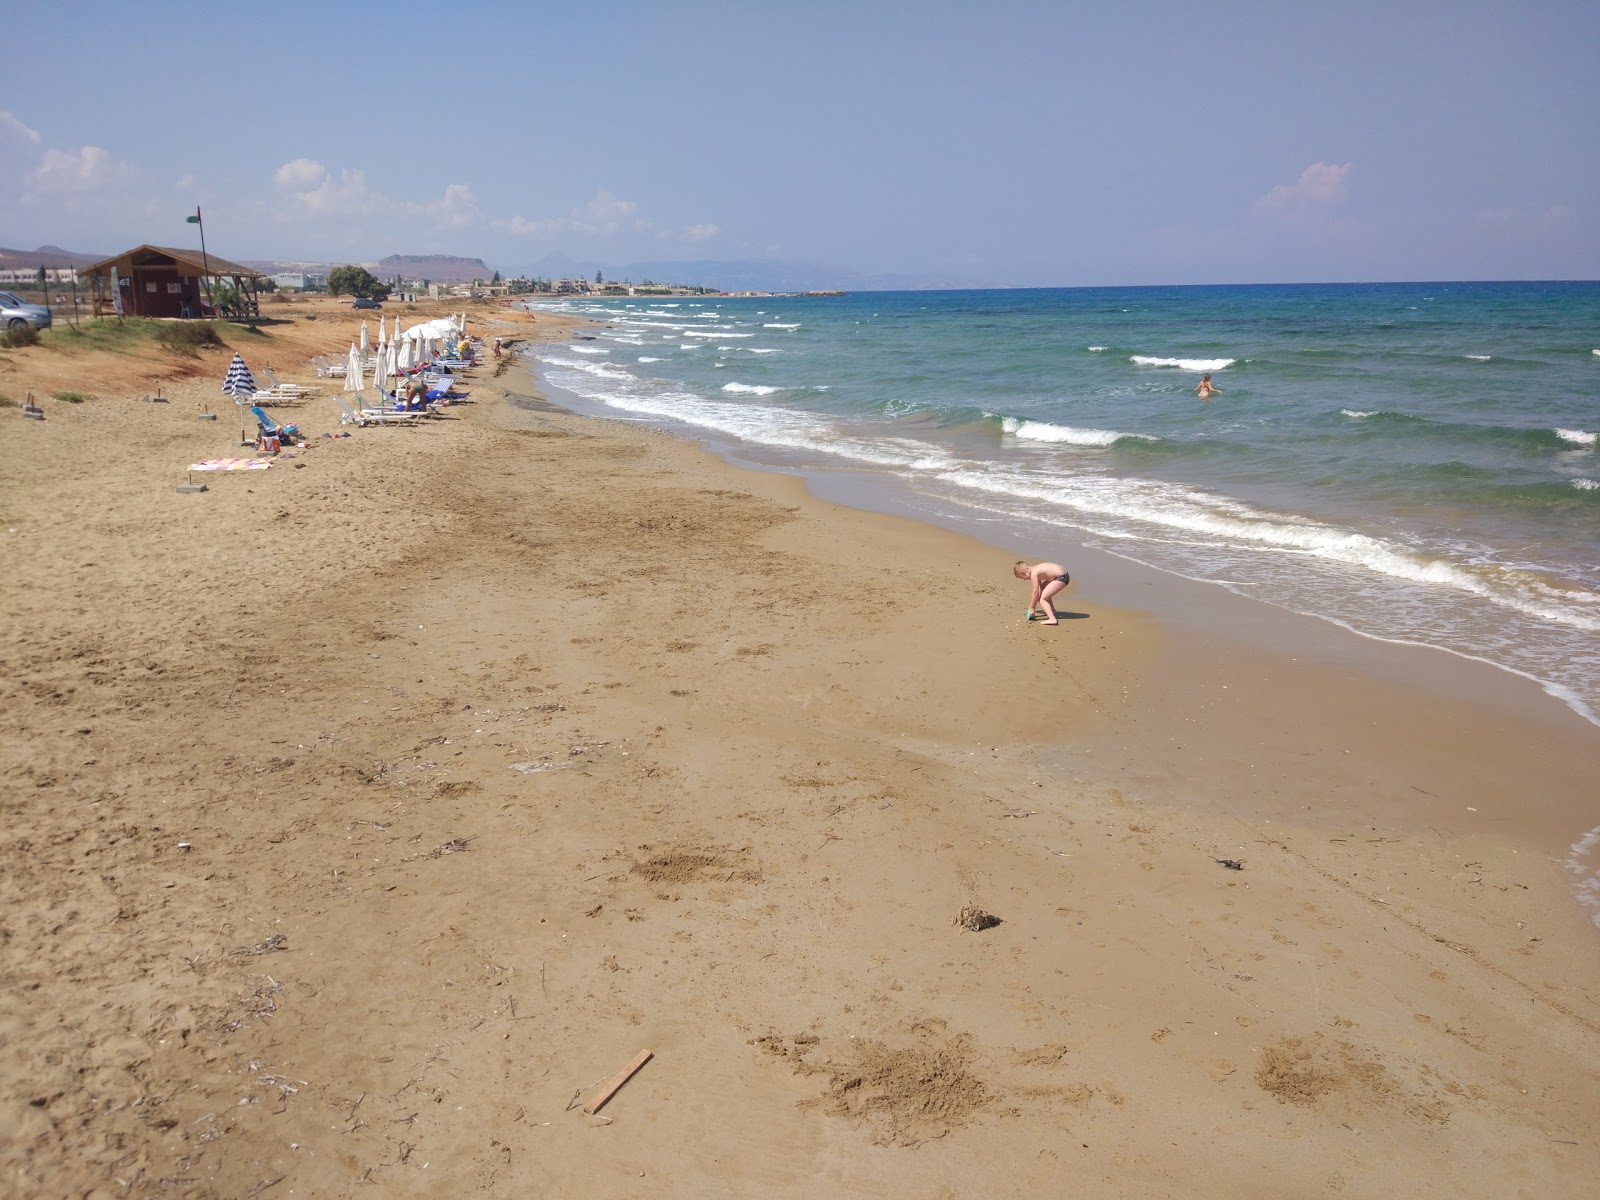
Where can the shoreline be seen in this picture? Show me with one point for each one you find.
(354, 875)
(1193, 504)
(1210, 629)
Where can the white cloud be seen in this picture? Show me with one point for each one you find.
(299, 175)
(1321, 188)
(16, 130)
(605, 215)
(458, 207)
(309, 190)
(69, 174)
(522, 227)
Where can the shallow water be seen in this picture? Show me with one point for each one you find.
(1415, 462)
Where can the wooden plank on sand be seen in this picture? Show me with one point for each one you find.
(597, 1101)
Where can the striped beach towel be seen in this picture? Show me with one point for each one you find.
(231, 464)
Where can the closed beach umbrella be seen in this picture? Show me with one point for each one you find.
(393, 357)
(366, 344)
(352, 370)
(380, 371)
(238, 381)
(241, 385)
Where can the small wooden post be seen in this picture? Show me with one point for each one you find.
(597, 1101)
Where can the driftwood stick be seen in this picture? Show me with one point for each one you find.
(597, 1101)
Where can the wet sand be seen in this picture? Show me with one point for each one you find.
(364, 813)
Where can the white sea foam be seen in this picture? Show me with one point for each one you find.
(1096, 349)
(598, 369)
(1355, 414)
(1577, 437)
(1043, 431)
(1223, 523)
(715, 334)
(778, 428)
(749, 389)
(780, 325)
(1479, 357)
(761, 350)
(1585, 871)
(1184, 364)
(1594, 352)
(588, 350)
(1586, 485)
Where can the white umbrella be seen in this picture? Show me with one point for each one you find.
(407, 359)
(366, 344)
(352, 370)
(380, 372)
(393, 356)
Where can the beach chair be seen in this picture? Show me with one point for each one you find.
(428, 406)
(329, 367)
(372, 416)
(287, 389)
(272, 428)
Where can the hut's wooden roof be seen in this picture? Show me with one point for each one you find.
(189, 262)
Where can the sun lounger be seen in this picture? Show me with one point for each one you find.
(271, 428)
(328, 367)
(288, 389)
(373, 416)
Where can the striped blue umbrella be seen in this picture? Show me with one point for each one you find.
(238, 381)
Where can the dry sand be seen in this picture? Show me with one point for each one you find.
(363, 815)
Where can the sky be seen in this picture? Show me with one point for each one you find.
(1012, 143)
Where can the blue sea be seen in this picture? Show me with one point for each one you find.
(1414, 462)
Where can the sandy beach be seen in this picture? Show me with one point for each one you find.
(365, 815)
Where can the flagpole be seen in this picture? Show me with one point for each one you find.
(204, 261)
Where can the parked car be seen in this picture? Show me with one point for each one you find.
(14, 313)
(363, 302)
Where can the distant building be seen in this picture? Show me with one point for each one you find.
(300, 281)
(31, 275)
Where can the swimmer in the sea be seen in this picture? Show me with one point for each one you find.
(1205, 388)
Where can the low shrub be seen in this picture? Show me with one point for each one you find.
(72, 397)
(189, 337)
(21, 335)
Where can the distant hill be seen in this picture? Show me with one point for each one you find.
(45, 256)
(437, 268)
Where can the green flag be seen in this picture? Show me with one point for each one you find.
(194, 220)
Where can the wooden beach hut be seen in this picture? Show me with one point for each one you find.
(161, 281)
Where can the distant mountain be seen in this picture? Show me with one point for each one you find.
(45, 256)
(436, 268)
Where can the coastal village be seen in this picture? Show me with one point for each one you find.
(49, 275)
